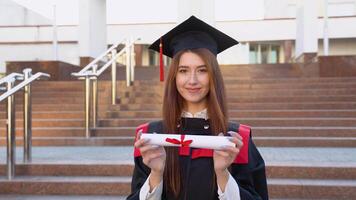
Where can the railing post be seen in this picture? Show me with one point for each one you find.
(87, 106)
(95, 98)
(128, 63)
(132, 59)
(27, 117)
(113, 77)
(10, 129)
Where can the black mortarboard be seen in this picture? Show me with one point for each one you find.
(193, 33)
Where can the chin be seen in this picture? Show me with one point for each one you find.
(194, 100)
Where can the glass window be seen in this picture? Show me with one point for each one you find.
(253, 54)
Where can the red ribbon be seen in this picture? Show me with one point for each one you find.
(182, 142)
(161, 64)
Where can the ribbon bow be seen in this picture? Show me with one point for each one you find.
(182, 142)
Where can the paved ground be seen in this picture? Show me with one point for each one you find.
(124, 155)
(54, 197)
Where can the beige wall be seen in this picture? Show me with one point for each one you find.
(339, 47)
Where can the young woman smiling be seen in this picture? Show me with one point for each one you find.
(195, 103)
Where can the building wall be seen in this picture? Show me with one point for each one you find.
(67, 52)
(345, 46)
(270, 21)
(13, 14)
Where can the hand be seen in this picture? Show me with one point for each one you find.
(224, 157)
(153, 156)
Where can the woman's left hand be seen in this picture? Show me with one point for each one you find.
(223, 158)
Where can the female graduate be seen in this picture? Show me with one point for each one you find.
(194, 103)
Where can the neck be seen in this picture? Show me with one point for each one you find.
(194, 108)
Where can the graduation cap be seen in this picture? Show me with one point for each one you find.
(193, 33)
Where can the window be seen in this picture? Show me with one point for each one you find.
(264, 53)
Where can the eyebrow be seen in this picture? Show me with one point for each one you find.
(183, 66)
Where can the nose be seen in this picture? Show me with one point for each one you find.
(193, 79)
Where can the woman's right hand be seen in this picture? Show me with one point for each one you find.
(153, 156)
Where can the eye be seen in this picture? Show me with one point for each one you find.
(202, 70)
(182, 70)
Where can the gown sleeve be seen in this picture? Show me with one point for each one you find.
(251, 176)
(139, 177)
(141, 171)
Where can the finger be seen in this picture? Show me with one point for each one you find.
(234, 134)
(234, 140)
(153, 156)
(139, 134)
(231, 150)
(147, 148)
(141, 142)
(222, 153)
(237, 142)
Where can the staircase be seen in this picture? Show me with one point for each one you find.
(304, 127)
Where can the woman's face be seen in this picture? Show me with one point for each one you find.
(192, 80)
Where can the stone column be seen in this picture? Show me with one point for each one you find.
(138, 54)
(306, 37)
(92, 29)
(287, 47)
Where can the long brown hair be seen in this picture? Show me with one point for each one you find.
(173, 104)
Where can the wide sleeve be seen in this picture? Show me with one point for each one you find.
(251, 176)
(141, 171)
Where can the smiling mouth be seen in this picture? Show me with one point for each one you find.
(193, 90)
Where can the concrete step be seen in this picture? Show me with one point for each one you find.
(263, 131)
(92, 169)
(101, 185)
(296, 99)
(332, 113)
(280, 80)
(244, 113)
(231, 91)
(58, 185)
(49, 115)
(285, 122)
(315, 131)
(293, 170)
(67, 131)
(75, 141)
(305, 141)
(50, 107)
(312, 188)
(49, 132)
(278, 86)
(234, 103)
(60, 197)
(129, 141)
(49, 122)
(251, 106)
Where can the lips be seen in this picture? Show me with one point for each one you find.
(193, 90)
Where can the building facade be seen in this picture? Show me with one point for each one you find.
(266, 29)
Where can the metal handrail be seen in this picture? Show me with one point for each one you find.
(27, 78)
(20, 85)
(90, 73)
(11, 77)
(101, 56)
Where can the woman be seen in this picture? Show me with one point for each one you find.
(194, 103)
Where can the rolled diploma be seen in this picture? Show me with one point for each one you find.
(199, 141)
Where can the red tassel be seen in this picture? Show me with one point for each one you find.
(161, 67)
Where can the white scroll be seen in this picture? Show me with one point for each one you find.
(195, 141)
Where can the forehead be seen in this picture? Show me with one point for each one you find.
(190, 59)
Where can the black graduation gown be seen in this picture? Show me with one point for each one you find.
(198, 168)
